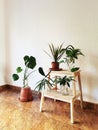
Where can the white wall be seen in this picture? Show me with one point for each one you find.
(32, 24)
(2, 44)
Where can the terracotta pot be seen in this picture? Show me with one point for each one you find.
(55, 65)
(26, 94)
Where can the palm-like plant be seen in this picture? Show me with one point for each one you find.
(56, 52)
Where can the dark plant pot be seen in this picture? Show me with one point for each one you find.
(55, 65)
(26, 94)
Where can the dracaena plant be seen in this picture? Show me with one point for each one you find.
(30, 63)
(56, 52)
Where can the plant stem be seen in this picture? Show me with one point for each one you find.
(29, 74)
(25, 78)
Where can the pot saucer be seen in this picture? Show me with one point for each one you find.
(55, 69)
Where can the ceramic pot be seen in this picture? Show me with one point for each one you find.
(55, 65)
(26, 94)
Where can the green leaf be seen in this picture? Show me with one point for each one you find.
(73, 53)
(26, 59)
(41, 71)
(30, 62)
(19, 69)
(68, 84)
(75, 69)
(15, 77)
(62, 61)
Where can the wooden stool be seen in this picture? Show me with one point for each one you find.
(65, 98)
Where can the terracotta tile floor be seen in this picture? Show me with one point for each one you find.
(16, 115)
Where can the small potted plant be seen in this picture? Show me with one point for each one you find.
(71, 55)
(56, 53)
(30, 63)
(64, 83)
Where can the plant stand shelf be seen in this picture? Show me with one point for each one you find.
(74, 95)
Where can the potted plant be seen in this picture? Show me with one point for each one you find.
(45, 82)
(56, 52)
(30, 63)
(64, 83)
(71, 55)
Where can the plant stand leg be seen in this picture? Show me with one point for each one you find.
(80, 87)
(41, 103)
(72, 111)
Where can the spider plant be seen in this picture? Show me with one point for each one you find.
(71, 55)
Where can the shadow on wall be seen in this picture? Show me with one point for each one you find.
(90, 77)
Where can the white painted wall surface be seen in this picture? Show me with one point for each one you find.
(2, 44)
(32, 24)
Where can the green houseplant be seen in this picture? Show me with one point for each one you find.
(64, 83)
(71, 55)
(56, 52)
(30, 63)
(46, 81)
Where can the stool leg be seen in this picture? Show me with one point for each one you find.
(72, 111)
(80, 87)
(41, 102)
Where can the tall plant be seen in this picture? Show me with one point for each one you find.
(30, 63)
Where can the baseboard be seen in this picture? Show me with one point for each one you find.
(2, 87)
(86, 105)
(90, 105)
(14, 87)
